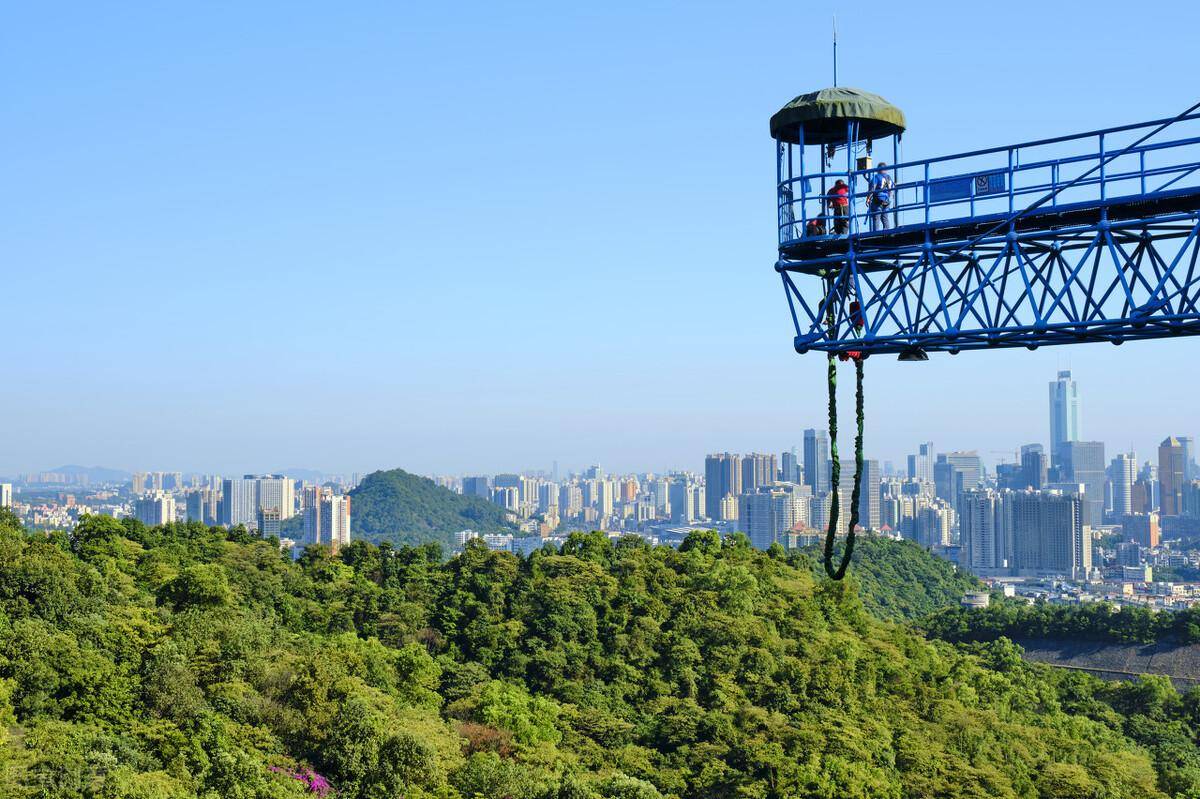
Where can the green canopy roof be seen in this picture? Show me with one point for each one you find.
(823, 116)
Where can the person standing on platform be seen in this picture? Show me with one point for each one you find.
(879, 199)
(839, 205)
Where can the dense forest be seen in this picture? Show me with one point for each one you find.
(406, 508)
(185, 661)
(899, 580)
(1096, 621)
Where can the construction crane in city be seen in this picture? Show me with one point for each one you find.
(1091, 237)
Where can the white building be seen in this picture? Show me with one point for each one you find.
(155, 508)
(326, 518)
(6, 495)
(277, 493)
(239, 502)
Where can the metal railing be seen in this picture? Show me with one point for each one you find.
(993, 182)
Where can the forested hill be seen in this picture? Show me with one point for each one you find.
(408, 509)
(1093, 621)
(900, 580)
(190, 662)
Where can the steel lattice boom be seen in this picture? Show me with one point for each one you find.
(955, 266)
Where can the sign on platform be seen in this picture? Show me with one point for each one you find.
(967, 186)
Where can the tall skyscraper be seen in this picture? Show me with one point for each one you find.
(680, 500)
(239, 504)
(816, 461)
(1033, 466)
(1064, 413)
(1122, 472)
(789, 467)
(920, 464)
(956, 472)
(1189, 457)
(869, 512)
(722, 478)
(758, 470)
(1171, 471)
(1083, 462)
(277, 492)
(985, 527)
(5, 495)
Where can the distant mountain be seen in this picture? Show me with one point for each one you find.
(407, 508)
(94, 474)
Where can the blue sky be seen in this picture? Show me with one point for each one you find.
(474, 237)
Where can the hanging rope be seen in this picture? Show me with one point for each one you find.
(835, 472)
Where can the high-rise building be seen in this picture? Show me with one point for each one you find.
(139, 483)
(570, 500)
(1083, 462)
(1189, 457)
(955, 473)
(920, 464)
(1171, 470)
(6, 495)
(758, 470)
(606, 495)
(986, 530)
(476, 487)
(696, 497)
(1191, 499)
(239, 503)
(1142, 528)
(154, 509)
(816, 461)
(276, 492)
(682, 507)
(629, 489)
(1010, 476)
(326, 518)
(507, 497)
(1121, 473)
(270, 522)
(507, 481)
(1064, 413)
(1049, 534)
(722, 478)
(1033, 466)
(789, 467)
(768, 513)
(202, 506)
(869, 515)
(547, 497)
(1026, 533)
(933, 523)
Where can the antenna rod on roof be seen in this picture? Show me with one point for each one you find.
(835, 50)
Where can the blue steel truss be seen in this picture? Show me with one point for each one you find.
(1113, 256)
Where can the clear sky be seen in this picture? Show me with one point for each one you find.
(461, 237)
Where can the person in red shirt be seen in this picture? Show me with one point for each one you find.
(839, 205)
